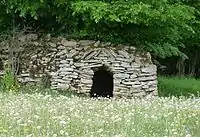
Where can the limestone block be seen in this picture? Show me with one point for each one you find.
(22, 38)
(138, 61)
(91, 55)
(134, 90)
(67, 43)
(53, 49)
(92, 66)
(86, 53)
(101, 58)
(85, 76)
(88, 71)
(52, 45)
(34, 56)
(118, 71)
(116, 81)
(66, 69)
(64, 65)
(64, 61)
(133, 70)
(134, 82)
(69, 59)
(73, 76)
(86, 42)
(79, 64)
(62, 52)
(128, 82)
(104, 53)
(126, 65)
(120, 87)
(147, 78)
(54, 83)
(86, 89)
(118, 68)
(155, 82)
(63, 86)
(121, 75)
(151, 89)
(90, 61)
(56, 77)
(139, 94)
(96, 43)
(72, 53)
(80, 49)
(123, 59)
(53, 87)
(132, 48)
(105, 44)
(31, 37)
(133, 76)
(145, 87)
(146, 74)
(59, 80)
(115, 64)
(61, 47)
(27, 79)
(124, 53)
(25, 75)
(136, 86)
(86, 81)
(88, 85)
(110, 54)
(120, 56)
(64, 73)
(135, 65)
(66, 80)
(150, 69)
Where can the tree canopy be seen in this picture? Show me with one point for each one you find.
(162, 27)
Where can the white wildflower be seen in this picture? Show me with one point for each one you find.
(62, 122)
(62, 132)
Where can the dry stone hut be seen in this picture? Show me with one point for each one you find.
(85, 66)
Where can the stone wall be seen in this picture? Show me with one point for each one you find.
(71, 64)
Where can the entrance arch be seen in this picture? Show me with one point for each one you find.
(102, 83)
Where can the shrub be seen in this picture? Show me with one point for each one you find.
(9, 82)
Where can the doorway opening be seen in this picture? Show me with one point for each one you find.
(102, 83)
(1, 65)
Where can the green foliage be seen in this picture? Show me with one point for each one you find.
(160, 27)
(156, 26)
(178, 86)
(9, 82)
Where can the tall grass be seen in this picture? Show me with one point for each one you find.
(9, 83)
(38, 115)
(178, 86)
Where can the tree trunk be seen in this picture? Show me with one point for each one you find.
(181, 67)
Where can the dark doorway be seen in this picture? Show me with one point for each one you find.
(1, 65)
(102, 84)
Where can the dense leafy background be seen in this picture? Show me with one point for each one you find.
(169, 29)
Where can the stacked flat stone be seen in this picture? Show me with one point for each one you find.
(71, 65)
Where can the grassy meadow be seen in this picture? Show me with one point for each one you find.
(37, 112)
(39, 115)
(178, 86)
